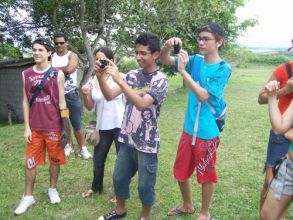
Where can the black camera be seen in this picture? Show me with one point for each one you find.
(104, 63)
(177, 48)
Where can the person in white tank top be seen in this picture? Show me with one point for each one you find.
(67, 61)
(109, 117)
(62, 62)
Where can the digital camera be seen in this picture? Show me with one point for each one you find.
(177, 48)
(104, 63)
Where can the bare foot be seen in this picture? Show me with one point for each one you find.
(202, 216)
(114, 200)
(88, 193)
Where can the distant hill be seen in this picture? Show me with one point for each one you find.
(268, 51)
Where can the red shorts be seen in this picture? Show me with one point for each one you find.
(36, 150)
(202, 156)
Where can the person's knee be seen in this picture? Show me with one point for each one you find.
(76, 121)
(208, 184)
(266, 186)
(31, 164)
(99, 165)
(264, 214)
(143, 189)
(77, 127)
(121, 186)
(146, 194)
(118, 179)
(146, 189)
(31, 169)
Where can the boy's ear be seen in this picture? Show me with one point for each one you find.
(156, 55)
(220, 42)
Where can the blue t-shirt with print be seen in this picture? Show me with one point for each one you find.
(213, 78)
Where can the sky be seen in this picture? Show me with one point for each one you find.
(275, 23)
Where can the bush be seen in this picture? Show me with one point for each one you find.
(242, 57)
(270, 59)
(127, 64)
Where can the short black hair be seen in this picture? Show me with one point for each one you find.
(149, 39)
(45, 42)
(60, 35)
(107, 51)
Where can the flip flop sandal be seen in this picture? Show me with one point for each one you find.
(87, 193)
(177, 212)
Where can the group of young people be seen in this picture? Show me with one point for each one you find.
(128, 111)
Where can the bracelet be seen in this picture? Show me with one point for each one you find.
(64, 113)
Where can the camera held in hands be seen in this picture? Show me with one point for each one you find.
(104, 63)
(177, 48)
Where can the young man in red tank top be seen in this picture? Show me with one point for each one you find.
(45, 120)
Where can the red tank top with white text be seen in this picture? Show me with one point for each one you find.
(44, 113)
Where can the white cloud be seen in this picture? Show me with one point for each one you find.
(275, 28)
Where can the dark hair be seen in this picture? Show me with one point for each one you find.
(214, 28)
(149, 39)
(217, 30)
(105, 50)
(60, 35)
(45, 42)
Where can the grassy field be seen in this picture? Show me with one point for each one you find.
(240, 162)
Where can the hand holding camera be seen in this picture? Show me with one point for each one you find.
(100, 67)
(183, 58)
(103, 63)
(174, 43)
(177, 48)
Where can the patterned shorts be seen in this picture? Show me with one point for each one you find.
(283, 183)
(36, 149)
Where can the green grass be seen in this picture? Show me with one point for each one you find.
(239, 162)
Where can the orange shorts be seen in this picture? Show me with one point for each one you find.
(201, 157)
(36, 150)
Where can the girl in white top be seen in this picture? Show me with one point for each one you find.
(109, 118)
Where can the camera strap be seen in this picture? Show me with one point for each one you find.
(289, 69)
(41, 85)
(197, 61)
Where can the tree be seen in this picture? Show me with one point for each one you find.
(9, 51)
(16, 25)
(116, 23)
